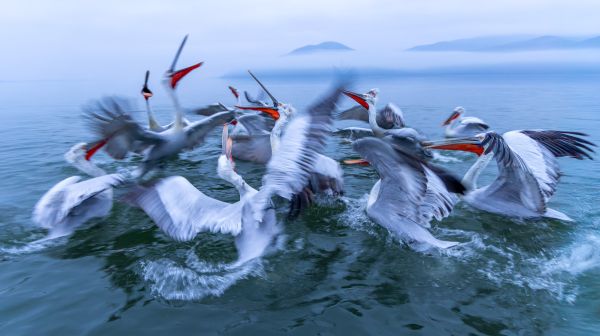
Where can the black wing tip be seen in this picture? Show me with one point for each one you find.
(564, 143)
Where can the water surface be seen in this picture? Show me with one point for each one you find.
(332, 271)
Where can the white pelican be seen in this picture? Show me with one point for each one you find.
(395, 131)
(327, 176)
(109, 119)
(72, 202)
(457, 125)
(409, 193)
(147, 94)
(182, 211)
(389, 117)
(527, 167)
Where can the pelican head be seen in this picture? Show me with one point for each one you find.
(457, 112)
(145, 90)
(364, 99)
(275, 111)
(172, 76)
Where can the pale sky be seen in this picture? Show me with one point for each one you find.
(87, 39)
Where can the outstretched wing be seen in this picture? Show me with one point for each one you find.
(527, 175)
(62, 199)
(290, 167)
(110, 119)
(181, 211)
(197, 131)
(403, 181)
(561, 143)
(208, 110)
(406, 187)
(354, 113)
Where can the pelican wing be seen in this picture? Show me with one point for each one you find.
(109, 118)
(259, 101)
(527, 174)
(473, 124)
(354, 113)
(410, 187)
(410, 193)
(196, 131)
(390, 116)
(62, 199)
(403, 180)
(181, 211)
(536, 170)
(208, 110)
(438, 201)
(289, 169)
(561, 143)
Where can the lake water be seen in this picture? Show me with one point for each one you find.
(332, 271)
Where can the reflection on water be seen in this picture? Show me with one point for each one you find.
(333, 270)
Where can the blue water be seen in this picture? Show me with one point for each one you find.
(332, 271)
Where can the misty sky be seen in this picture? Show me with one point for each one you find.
(102, 39)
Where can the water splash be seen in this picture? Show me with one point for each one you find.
(196, 279)
(34, 246)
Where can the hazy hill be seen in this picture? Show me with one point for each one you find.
(511, 44)
(321, 47)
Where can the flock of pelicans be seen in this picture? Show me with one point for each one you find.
(411, 190)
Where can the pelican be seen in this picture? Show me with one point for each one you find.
(387, 124)
(182, 211)
(118, 145)
(457, 125)
(73, 201)
(389, 117)
(147, 94)
(327, 176)
(110, 119)
(409, 193)
(528, 170)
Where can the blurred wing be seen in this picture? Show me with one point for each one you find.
(110, 119)
(208, 110)
(523, 178)
(196, 131)
(354, 113)
(290, 167)
(181, 211)
(438, 201)
(473, 125)
(390, 116)
(562, 144)
(403, 180)
(65, 196)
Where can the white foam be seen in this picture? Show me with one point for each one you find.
(195, 278)
(581, 257)
(444, 158)
(34, 246)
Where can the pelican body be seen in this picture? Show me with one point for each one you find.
(458, 125)
(528, 171)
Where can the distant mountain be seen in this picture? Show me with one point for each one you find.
(469, 44)
(538, 43)
(321, 47)
(498, 44)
